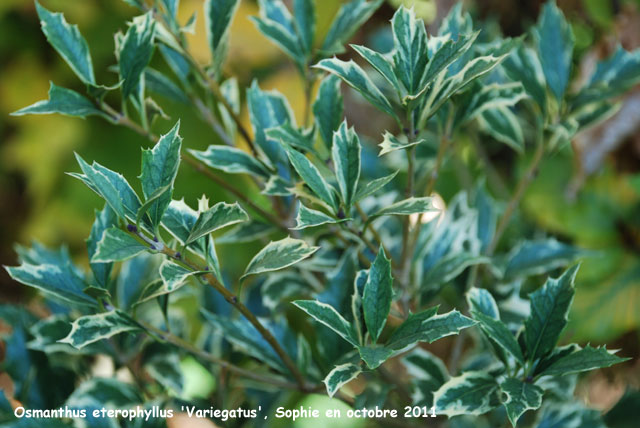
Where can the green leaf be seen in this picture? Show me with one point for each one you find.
(276, 23)
(374, 356)
(340, 376)
(104, 220)
(427, 373)
(328, 316)
(312, 177)
(68, 42)
(246, 338)
(380, 63)
(424, 328)
(173, 277)
(349, 18)
(277, 186)
(165, 369)
(307, 217)
(452, 265)
(117, 245)
(472, 393)
(159, 170)
(480, 300)
(538, 257)
(328, 107)
(406, 207)
(520, 397)
(112, 187)
(549, 309)
(555, 46)
(355, 77)
(410, 56)
(135, 52)
(63, 101)
(219, 216)
(57, 279)
(523, 65)
(345, 154)
(304, 13)
(377, 295)
(297, 138)
(91, 328)
(218, 15)
(410, 331)
(268, 109)
(497, 332)
(279, 255)
(582, 360)
(490, 97)
(373, 186)
(246, 232)
(392, 143)
(230, 160)
(503, 125)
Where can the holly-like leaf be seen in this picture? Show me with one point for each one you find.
(304, 14)
(377, 295)
(117, 245)
(480, 300)
(340, 376)
(374, 356)
(581, 360)
(68, 42)
(555, 46)
(279, 255)
(135, 52)
(349, 18)
(503, 125)
(292, 136)
(276, 23)
(549, 309)
(345, 154)
(104, 220)
(328, 107)
(327, 315)
(219, 216)
(230, 160)
(490, 97)
(498, 333)
(307, 217)
(410, 331)
(62, 101)
(373, 186)
(523, 65)
(355, 77)
(91, 328)
(472, 393)
(538, 257)
(312, 177)
(406, 207)
(410, 56)
(173, 277)
(424, 328)
(392, 143)
(520, 397)
(218, 15)
(159, 170)
(380, 62)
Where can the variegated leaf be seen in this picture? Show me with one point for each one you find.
(340, 376)
(279, 255)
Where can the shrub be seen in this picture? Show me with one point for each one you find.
(359, 267)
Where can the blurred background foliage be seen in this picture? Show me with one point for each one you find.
(588, 195)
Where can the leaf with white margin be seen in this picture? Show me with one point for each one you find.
(279, 255)
(230, 160)
(218, 15)
(480, 300)
(312, 177)
(63, 101)
(355, 77)
(328, 108)
(471, 393)
(502, 124)
(327, 315)
(380, 63)
(135, 51)
(392, 143)
(218, 216)
(424, 328)
(373, 186)
(407, 207)
(498, 333)
(520, 397)
(374, 355)
(308, 217)
(117, 245)
(410, 57)
(92, 328)
(345, 153)
(588, 358)
(68, 42)
(340, 376)
(349, 18)
(540, 256)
